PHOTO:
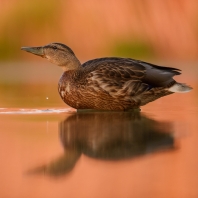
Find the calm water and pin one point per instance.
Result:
(48, 150)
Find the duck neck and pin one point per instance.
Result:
(72, 64)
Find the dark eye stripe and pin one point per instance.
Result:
(65, 47)
(61, 47)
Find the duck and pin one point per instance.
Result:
(109, 83)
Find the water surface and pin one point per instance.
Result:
(49, 150)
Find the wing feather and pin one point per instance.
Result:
(126, 77)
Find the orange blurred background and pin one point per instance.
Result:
(146, 29)
(162, 32)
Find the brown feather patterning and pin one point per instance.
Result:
(108, 83)
(115, 84)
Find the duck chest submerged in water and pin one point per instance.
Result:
(68, 89)
(82, 91)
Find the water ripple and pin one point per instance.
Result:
(35, 111)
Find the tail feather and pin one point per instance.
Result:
(180, 88)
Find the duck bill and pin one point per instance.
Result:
(34, 50)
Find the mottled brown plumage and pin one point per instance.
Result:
(109, 83)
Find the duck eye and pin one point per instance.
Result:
(54, 47)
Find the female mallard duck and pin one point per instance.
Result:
(108, 83)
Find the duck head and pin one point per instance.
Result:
(58, 54)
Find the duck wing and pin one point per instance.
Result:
(159, 76)
(126, 77)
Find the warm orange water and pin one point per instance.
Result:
(61, 153)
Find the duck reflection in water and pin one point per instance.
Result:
(108, 136)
